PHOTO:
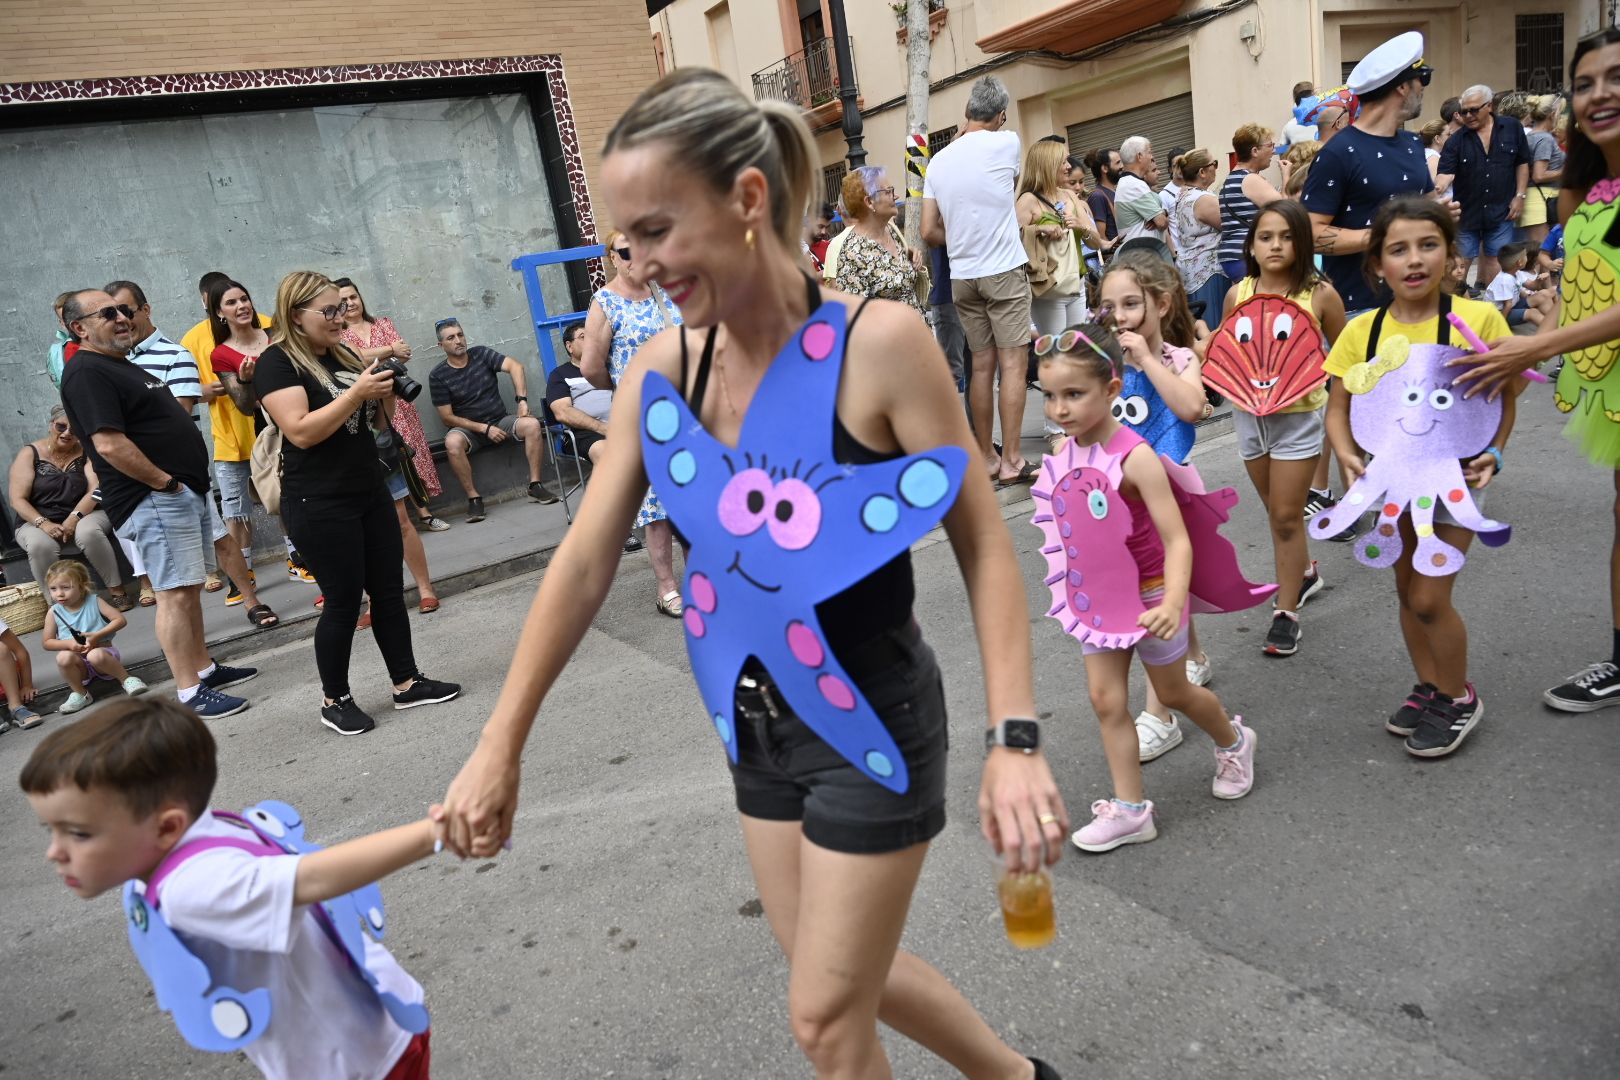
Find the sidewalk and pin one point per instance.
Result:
(517, 537)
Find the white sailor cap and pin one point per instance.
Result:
(1397, 59)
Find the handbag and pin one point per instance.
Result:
(265, 467)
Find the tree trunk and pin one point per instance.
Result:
(917, 52)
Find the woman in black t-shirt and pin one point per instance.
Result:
(329, 404)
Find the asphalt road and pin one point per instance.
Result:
(1360, 914)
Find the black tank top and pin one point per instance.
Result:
(882, 600)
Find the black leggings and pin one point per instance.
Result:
(352, 544)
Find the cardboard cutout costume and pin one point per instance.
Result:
(219, 1018)
(1419, 430)
(1140, 408)
(1266, 356)
(776, 526)
(1589, 385)
(1095, 583)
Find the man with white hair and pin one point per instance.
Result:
(967, 207)
(1137, 211)
(1487, 166)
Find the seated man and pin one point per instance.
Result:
(575, 402)
(468, 397)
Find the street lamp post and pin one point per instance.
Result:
(846, 86)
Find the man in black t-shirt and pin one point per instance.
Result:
(153, 468)
(467, 394)
(572, 400)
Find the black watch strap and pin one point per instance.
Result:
(1015, 733)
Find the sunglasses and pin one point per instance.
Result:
(60, 427)
(622, 253)
(442, 323)
(111, 314)
(1470, 112)
(1425, 73)
(330, 314)
(1047, 344)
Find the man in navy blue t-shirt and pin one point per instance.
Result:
(1368, 164)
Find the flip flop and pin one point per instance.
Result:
(428, 605)
(1026, 475)
(262, 617)
(121, 601)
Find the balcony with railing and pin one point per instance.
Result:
(809, 79)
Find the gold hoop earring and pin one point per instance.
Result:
(748, 238)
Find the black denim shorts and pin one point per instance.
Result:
(785, 772)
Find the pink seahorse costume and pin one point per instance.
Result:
(1095, 583)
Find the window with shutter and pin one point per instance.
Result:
(1168, 123)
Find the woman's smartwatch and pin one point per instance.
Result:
(1015, 733)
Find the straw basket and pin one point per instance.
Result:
(23, 607)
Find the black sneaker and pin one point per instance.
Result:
(1283, 637)
(1043, 1071)
(1406, 718)
(475, 510)
(346, 718)
(223, 676)
(1312, 584)
(1349, 533)
(540, 494)
(233, 595)
(424, 691)
(1318, 502)
(1597, 687)
(1444, 725)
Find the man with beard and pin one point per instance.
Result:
(1107, 168)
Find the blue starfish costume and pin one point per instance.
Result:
(220, 1018)
(776, 526)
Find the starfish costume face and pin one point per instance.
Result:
(1095, 582)
(217, 1017)
(1404, 411)
(776, 526)
(1266, 356)
(1590, 381)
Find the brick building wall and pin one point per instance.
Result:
(606, 52)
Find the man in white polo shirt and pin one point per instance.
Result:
(968, 208)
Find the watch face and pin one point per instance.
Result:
(1021, 734)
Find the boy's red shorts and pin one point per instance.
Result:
(413, 1063)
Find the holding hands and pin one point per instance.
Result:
(475, 819)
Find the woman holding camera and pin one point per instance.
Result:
(329, 405)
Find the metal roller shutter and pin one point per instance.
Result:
(1168, 123)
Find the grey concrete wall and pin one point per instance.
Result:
(423, 203)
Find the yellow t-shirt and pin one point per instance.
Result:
(1351, 348)
(1318, 397)
(233, 432)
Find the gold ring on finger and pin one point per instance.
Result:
(1047, 819)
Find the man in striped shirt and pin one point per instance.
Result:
(156, 353)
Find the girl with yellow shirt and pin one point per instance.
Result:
(1407, 249)
(1280, 450)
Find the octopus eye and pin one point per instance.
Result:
(1097, 503)
(1413, 396)
(1135, 409)
(1282, 326)
(1244, 329)
(1441, 399)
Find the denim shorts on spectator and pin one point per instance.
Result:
(235, 480)
(174, 536)
(1493, 239)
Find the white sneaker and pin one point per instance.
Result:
(75, 701)
(1154, 737)
(1199, 672)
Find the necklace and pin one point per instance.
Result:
(725, 391)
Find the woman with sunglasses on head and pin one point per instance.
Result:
(374, 338)
(845, 395)
(875, 261)
(51, 487)
(329, 405)
(623, 314)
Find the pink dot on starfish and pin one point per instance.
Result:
(818, 339)
(703, 595)
(694, 622)
(837, 692)
(1454, 495)
(804, 645)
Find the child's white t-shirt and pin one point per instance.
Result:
(234, 910)
(1504, 286)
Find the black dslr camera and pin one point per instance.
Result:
(404, 386)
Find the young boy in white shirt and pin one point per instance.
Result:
(127, 786)
(1506, 290)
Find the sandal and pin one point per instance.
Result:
(364, 622)
(429, 605)
(1026, 475)
(262, 617)
(121, 601)
(670, 604)
(148, 597)
(213, 583)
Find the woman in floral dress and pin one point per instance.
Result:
(875, 261)
(375, 338)
(623, 315)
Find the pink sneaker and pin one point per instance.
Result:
(1234, 770)
(1113, 825)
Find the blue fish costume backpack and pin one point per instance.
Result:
(219, 1018)
(777, 525)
